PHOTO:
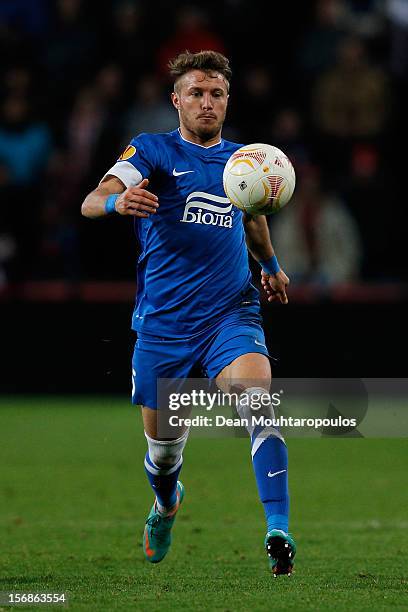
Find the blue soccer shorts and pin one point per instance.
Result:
(205, 354)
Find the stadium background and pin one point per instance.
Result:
(328, 87)
(327, 82)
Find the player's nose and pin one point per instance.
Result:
(207, 101)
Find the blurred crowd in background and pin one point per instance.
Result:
(326, 81)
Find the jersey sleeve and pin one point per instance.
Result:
(138, 161)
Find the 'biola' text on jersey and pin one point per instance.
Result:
(206, 213)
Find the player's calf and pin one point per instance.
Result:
(270, 463)
(163, 462)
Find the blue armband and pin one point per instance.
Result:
(271, 265)
(110, 203)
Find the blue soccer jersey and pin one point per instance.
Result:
(193, 266)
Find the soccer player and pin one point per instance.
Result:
(195, 304)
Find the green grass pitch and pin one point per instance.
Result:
(74, 501)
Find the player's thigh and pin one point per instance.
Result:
(238, 354)
(155, 358)
(247, 370)
(154, 427)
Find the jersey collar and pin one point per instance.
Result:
(197, 147)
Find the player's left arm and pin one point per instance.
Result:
(260, 246)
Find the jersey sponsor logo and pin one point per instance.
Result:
(127, 153)
(199, 210)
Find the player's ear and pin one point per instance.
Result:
(175, 100)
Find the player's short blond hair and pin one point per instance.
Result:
(208, 61)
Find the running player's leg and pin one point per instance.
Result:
(250, 373)
(237, 358)
(163, 463)
(154, 359)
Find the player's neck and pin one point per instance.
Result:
(191, 137)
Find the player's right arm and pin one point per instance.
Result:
(135, 201)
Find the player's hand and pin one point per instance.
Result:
(137, 201)
(275, 286)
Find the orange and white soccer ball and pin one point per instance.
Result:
(259, 179)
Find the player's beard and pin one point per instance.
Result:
(204, 131)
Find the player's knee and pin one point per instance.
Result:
(255, 402)
(165, 454)
(255, 408)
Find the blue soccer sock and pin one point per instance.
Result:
(270, 462)
(163, 482)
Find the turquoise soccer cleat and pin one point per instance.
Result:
(157, 531)
(281, 550)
